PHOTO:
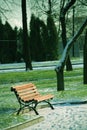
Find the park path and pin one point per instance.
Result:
(63, 117)
(17, 67)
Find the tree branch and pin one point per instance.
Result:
(68, 46)
(83, 2)
(66, 8)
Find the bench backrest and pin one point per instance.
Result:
(25, 92)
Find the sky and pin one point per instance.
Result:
(13, 13)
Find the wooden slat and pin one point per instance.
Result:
(30, 95)
(25, 86)
(27, 98)
(43, 98)
(26, 89)
(27, 92)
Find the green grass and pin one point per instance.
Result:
(45, 81)
(14, 77)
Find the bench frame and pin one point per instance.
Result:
(30, 102)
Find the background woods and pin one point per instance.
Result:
(45, 41)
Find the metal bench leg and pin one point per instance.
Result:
(33, 107)
(35, 110)
(19, 110)
(50, 104)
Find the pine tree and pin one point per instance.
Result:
(33, 37)
(1, 39)
(36, 39)
(53, 39)
(44, 39)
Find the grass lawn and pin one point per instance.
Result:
(45, 81)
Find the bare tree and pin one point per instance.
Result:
(59, 69)
(63, 11)
(26, 51)
(85, 60)
(44, 7)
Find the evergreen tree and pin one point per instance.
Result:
(44, 39)
(53, 39)
(1, 39)
(38, 43)
(35, 39)
(19, 53)
(14, 44)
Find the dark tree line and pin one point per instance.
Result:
(8, 43)
(42, 41)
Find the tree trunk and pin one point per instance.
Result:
(64, 40)
(65, 54)
(60, 80)
(85, 60)
(26, 51)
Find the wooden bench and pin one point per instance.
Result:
(28, 96)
